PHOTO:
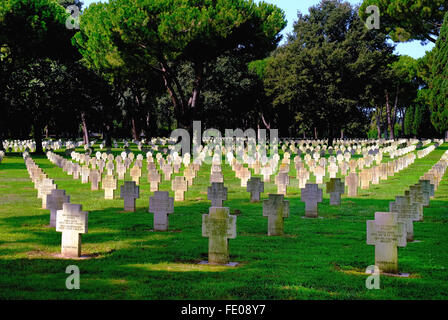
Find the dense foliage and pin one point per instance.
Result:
(143, 68)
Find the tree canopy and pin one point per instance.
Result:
(406, 20)
(325, 74)
(160, 35)
(439, 81)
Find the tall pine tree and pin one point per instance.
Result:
(439, 81)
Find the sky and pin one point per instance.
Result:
(291, 7)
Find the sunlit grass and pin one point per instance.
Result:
(315, 259)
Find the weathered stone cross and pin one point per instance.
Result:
(276, 208)
(129, 192)
(218, 226)
(217, 193)
(55, 200)
(386, 233)
(161, 204)
(311, 195)
(255, 186)
(335, 187)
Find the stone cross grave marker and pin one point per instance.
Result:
(333, 170)
(109, 184)
(76, 171)
(266, 172)
(129, 192)
(110, 168)
(276, 208)
(45, 188)
(365, 177)
(216, 176)
(217, 193)
(72, 222)
(244, 176)
(94, 178)
(303, 176)
(255, 186)
(376, 175)
(54, 203)
(407, 213)
(386, 233)
(352, 182)
(85, 171)
(219, 227)
(167, 171)
(121, 170)
(189, 175)
(179, 186)
(319, 173)
(311, 195)
(282, 182)
(161, 204)
(136, 173)
(428, 188)
(154, 180)
(335, 187)
(418, 197)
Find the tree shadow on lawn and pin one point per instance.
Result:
(160, 260)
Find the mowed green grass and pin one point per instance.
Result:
(315, 259)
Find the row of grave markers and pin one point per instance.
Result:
(66, 217)
(386, 232)
(395, 228)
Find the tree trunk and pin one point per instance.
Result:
(342, 134)
(134, 129)
(267, 125)
(85, 131)
(108, 136)
(330, 136)
(2, 148)
(378, 124)
(197, 85)
(178, 103)
(315, 133)
(389, 120)
(446, 136)
(395, 109)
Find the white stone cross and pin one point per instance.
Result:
(72, 222)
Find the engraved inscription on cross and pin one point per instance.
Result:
(55, 200)
(386, 233)
(72, 222)
(407, 213)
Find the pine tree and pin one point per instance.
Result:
(439, 81)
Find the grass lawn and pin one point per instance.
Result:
(315, 259)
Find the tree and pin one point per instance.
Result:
(31, 32)
(160, 35)
(326, 75)
(406, 20)
(438, 83)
